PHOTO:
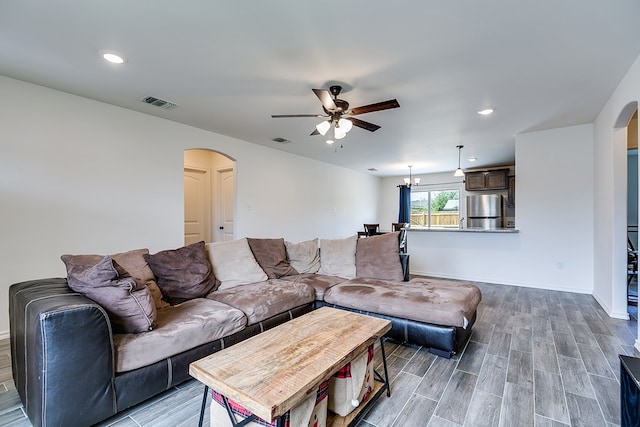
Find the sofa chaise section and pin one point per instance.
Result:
(435, 313)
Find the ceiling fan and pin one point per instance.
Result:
(339, 114)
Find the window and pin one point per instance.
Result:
(435, 208)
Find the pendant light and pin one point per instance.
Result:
(407, 181)
(458, 171)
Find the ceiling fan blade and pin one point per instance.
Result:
(325, 97)
(364, 125)
(315, 132)
(279, 116)
(384, 105)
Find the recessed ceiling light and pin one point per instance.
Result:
(486, 111)
(330, 141)
(472, 159)
(111, 56)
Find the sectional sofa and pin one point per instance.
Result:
(123, 328)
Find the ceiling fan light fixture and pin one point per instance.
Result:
(323, 127)
(339, 133)
(345, 125)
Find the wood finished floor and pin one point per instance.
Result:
(535, 358)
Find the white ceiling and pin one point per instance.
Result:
(231, 64)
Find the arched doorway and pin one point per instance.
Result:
(209, 196)
(632, 216)
(619, 225)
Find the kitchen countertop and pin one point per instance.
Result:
(466, 230)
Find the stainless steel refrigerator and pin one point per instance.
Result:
(484, 211)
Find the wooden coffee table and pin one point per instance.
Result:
(272, 372)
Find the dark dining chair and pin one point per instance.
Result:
(398, 226)
(372, 229)
(402, 238)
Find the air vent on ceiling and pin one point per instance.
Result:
(281, 140)
(157, 102)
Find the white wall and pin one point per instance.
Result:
(554, 215)
(79, 176)
(610, 175)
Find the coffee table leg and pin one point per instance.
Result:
(384, 364)
(204, 405)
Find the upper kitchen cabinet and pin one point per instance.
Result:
(496, 179)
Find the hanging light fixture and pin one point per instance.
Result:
(407, 181)
(458, 171)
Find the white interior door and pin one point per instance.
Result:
(197, 202)
(226, 205)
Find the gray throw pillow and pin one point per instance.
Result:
(128, 303)
(304, 256)
(378, 257)
(234, 263)
(338, 257)
(184, 273)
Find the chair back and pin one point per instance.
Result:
(371, 229)
(397, 226)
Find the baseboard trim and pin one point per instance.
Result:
(498, 282)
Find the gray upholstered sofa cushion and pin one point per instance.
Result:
(440, 302)
(262, 300)
(319, 282)
(178, 328)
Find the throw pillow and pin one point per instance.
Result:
(233, 263)
(184, 273)
(271, 255)
(338, 257)
(304, 256)
(378, 257)
(128, 303)
(134, 263)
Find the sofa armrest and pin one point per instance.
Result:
(404, 260)
(62, 354)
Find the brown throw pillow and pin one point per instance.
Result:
(127, 302)
(184, 273)
(134, 263)
(271, 255)
(378, 257)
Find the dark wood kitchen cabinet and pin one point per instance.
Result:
(496, 179)
(511, 191)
